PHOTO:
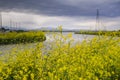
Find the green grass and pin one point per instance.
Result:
(21, 37)
(108, 33)
(97, 59)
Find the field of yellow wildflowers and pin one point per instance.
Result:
(96, 59)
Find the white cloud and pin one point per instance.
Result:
(31, 21)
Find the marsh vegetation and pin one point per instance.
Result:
(22, 37)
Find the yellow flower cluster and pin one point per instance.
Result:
(97, 59)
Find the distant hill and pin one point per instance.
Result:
(56, 29)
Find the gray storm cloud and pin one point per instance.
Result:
(72, 14)
(108, 8)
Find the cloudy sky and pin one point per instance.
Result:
(71, 14)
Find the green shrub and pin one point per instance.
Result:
(21, 37)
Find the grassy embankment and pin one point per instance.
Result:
(21, 37)
(107, 33)
(97, 59)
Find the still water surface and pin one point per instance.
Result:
(49, 39)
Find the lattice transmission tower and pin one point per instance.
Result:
(97, 27)
(0, 20)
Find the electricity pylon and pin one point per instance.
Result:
(97, 21)
(0, 20)
(99, 25)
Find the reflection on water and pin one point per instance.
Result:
(49, 36)
(76, 37)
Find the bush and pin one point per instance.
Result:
(107, 33)
(21, 37)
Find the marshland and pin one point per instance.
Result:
(59, 40)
